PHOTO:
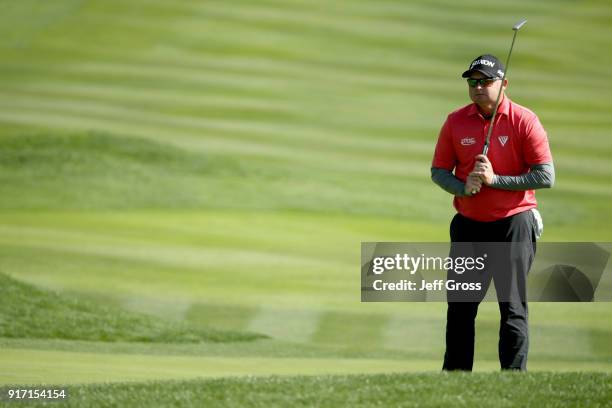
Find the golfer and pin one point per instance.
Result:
(495, 201)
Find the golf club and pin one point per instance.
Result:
(515, 28)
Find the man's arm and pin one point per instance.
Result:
(447, 180)
(451, 184)
(539, 176)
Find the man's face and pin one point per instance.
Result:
(484, 95)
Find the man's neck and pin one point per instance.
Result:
(486, 111)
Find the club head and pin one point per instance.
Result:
(518, 25)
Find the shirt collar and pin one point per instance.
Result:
(502, 109)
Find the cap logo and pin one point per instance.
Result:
(500, 72)
(482, 62)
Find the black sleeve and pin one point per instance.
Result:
(447, 180)
(539, 176)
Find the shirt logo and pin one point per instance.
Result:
(503, 140)
(466, 141)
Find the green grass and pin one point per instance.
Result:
(104, 172)
(28, 312)
(190, 167)
(397, 390)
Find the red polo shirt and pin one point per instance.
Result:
(518, 141)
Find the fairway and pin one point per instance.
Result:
(184, 186)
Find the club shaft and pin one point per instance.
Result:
(485, 150)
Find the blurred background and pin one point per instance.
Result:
(219, 163)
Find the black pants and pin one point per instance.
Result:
(461, 315)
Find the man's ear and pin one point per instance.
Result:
(505, 84)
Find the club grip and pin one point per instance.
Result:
(485, 149)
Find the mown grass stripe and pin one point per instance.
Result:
(214, 142)
(160, 98)
(23, 366)
(309, 88)
(403, 332)
(222, 316)
(342, 328)
(261, 81)
(291, 131)
(204, 259)
(285, 324)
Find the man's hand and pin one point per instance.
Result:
(472, 185)
(483, 169)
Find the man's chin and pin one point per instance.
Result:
(482, 100)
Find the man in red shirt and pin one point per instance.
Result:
(495, 201)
